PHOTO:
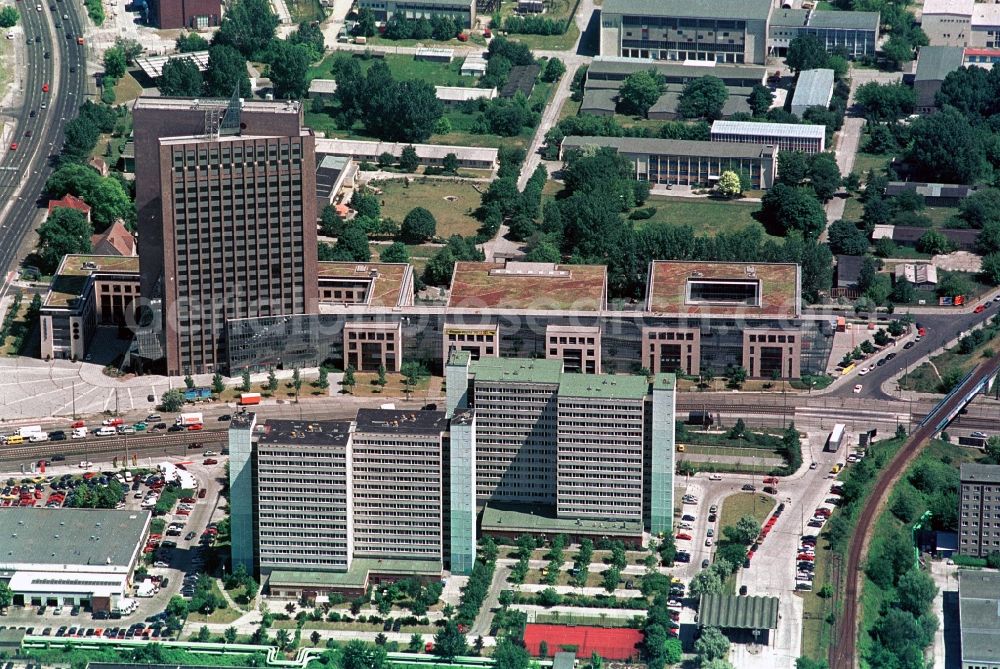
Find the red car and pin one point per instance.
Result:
(210, 461)
(195, 427)
(462, 37)
(77, 424)
(45, 88)
(805, 557)
(980, 309)
(771, 479)
(13, 146)
(826, 513)
(183, 512)
(188, 500)
(682, 536)
(922, 332)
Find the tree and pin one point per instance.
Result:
(365, 27)
(323, 382)
(6, 595)
(245, 385)
(443, 28)
(408, 159)
(297, 382)
(990, 267)
(358, 654)
(845, 238)
(172, 400)
(229, 635)
(348, 381)
(737, 376)
(824, 175)
(248, 26)
(418, 226)
(933, 242)
(217, 383)
(612, 577)
(711, 645)
(729, 184)
(945, 148)
(64, 231)
(510, 655)
(315, 637)
(188, 381)
(449, 643)
(553, 70)
(226, 71)
(747, 529)
(981, 208)
(703, 97)
(288, 66)
(640, 91)
(916, 591)
(450, 162)
(897, 50)
(806, 52)
(416, 643)
(188, 42)
(793, 209)
(544, 251)
(114, 62)
(352, 245)
(761, 99)
(310, 36)
(793, 167)
(395, 252)
(181, 77)
(706, 582)
(380, 380)
(8, 17)
(902, 293)
(886, 102)
(954, 284)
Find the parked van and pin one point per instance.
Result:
(14, 440)
(106, 431)
(79, 433)
(38, 436)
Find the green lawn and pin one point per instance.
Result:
(562, 42)
(405, 67)
(707, 217)
(474, 38)
(306, 11)
(742, 504)
(127, 89)
(451, 203)
(864, 162)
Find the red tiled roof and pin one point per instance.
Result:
(115, 241)
(611, 643)
(70, 202)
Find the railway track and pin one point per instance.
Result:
(165, 442)
(843, 651)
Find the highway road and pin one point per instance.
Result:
(844, 649)
(23, 172)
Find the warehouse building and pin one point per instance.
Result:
(814, 88)
(934, 63)
(72, 557)
(463, 12)
(786, 136)
(978, 619)
(687, 163)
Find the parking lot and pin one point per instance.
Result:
(172, 558)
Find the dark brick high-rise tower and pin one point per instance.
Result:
(226, 200)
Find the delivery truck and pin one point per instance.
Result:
(192, 418)
(247, 399)
(29, 430)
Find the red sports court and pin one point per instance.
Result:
(614, 643)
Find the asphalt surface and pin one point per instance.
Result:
(23, 172)
(843, 650)
(941, 328)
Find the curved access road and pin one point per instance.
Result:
(843, 651)
(53, 58)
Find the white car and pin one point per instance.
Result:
(160, 563)
(864, 370)
(979, 435)
(715, 477)
(684, 526)
(708, 542)
(857, 388)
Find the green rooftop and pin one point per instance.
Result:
(522, 370)
(665, 381)
(603, 386)
(357, 575)
(460, 358)
(537, 519)
(732, 612)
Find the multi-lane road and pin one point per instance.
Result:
(23, 171)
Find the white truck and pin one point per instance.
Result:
(106, 431)
(29, 430)
(79, 433)
(145, 589)
(38, 436)
(193, 418)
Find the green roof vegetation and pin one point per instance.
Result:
(535, 519)
(357, 575)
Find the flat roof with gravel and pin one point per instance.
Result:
(528, 285)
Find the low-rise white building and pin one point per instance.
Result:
(73, 557)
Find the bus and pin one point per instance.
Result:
(836, 437)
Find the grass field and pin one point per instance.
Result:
(453, 215)
(865, 162)
(306, 10)
(551, 42)
(742, 504)
(127, 89)
(404, 67)
(707, 217)
(365, 385)
(221, 616)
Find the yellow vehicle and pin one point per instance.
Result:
(836, 468)
(680, 448)
(15, 439)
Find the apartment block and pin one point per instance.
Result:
(786, 136)
(397, 472)
(305, 495)
(979, 512)
(725, 31)
(687, 162)
(226, 214)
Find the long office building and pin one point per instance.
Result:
(786, 136)
(225, 195)
(697, 316)
(686, 162)
(463, 12)
(322, 506)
